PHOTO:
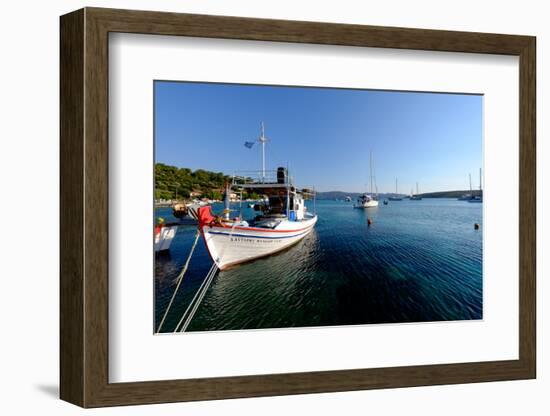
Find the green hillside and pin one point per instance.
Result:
(171, 180)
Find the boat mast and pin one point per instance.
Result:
(470, 175)
(262, 139)
(417, 189)
(395, 186)
(370, 166)
(227, 201)
(479, 181)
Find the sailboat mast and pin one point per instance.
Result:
(370, 164)
(395, 186)
(480, 180)
(417, 188)
(470, 176)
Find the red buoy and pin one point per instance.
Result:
(369, 221)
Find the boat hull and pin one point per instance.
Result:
(229, 246)
(369, 204)
(164, 237)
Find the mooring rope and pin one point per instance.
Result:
(201, 292)
(201, 289)
(179, 279)
(199, 300)
(186, 265)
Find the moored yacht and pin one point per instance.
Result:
(367, 200)
(467, 197)
(415, 197)
(478, 198)
(396, 197)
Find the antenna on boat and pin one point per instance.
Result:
(262, 139)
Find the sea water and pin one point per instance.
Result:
(418, 261)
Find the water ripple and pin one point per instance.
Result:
(418, 261)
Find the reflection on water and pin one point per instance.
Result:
(417, 261)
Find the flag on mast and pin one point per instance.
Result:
(262, 140)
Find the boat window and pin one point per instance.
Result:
(276, 205)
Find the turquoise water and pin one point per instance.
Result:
(419, 261)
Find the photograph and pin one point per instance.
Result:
(282, 206)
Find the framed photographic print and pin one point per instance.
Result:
(255, 207)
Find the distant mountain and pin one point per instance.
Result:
(342, 195)
(450, 194)
(353, 195)
(336, 195)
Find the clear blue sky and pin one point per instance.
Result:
(323, 134)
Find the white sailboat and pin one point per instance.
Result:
(416, 197)
(396, 197)
(479, 198)
(367, 200)
(283, 218)
(467, 197)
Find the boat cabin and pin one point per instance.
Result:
(282, 199)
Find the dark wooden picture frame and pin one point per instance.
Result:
(84, 207)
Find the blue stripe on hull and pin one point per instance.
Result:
(258, 236)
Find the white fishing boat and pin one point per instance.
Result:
(187, 210)
(164, 235)
(193, 209)
(282, 221)
(367, 200)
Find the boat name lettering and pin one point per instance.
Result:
(253, 240)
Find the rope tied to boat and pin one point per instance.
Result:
(193, 306)
(178, 281)
(186, 265)
(199, 296)
(197, 299)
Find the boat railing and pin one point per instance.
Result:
(258, 177)
(253, 179)
(308, 193)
